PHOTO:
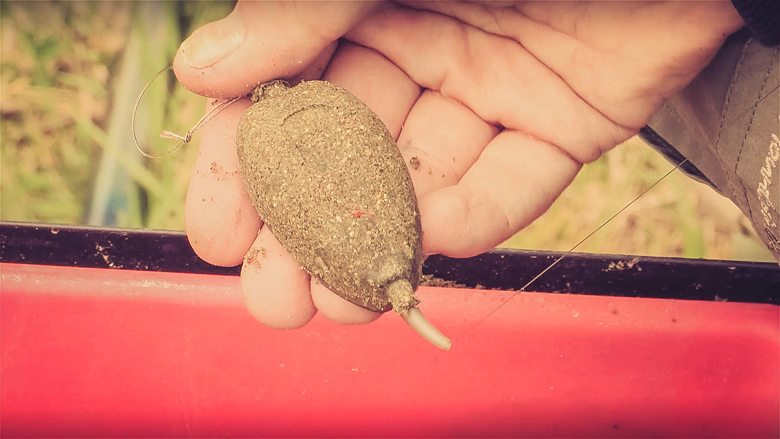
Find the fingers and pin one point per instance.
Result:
(260, 41)
(440, 141)
(274, 287)
(515, 179)
(220, 220)
(476, 189)
(613, 55)
(387, 90)
(494, 77)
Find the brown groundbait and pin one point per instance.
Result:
(326, 176)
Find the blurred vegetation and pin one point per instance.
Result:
(69, 75)
(67, 68)
(679, 217)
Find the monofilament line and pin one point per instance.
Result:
(187, 137)
(572, 249)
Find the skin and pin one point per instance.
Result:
(501, 104)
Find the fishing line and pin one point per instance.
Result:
(751, 107)
(549, 267)
(187, 137)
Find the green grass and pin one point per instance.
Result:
(69, 75)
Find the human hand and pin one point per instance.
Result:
(500, 105)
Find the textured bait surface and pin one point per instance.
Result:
(326, 176)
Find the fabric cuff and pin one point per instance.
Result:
(762, 17)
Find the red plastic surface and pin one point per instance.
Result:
(91, 352)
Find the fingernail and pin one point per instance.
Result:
(213, 42)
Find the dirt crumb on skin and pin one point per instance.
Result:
(215, 168)
(414, 162)
(250, 256)
(253, 257)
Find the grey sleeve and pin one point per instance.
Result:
(727, 123)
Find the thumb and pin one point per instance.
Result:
(260, 41)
